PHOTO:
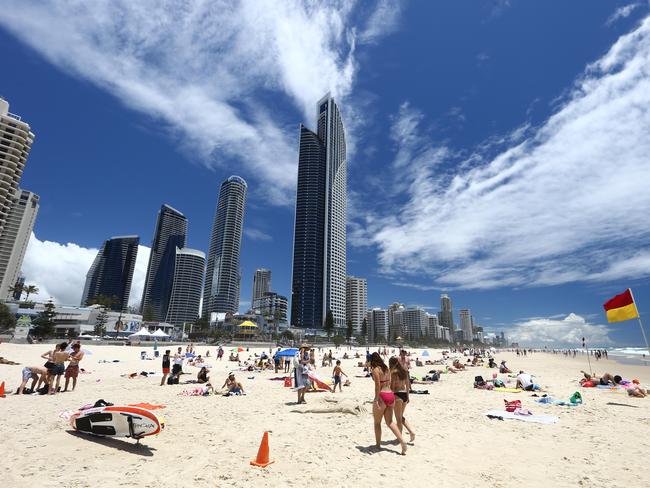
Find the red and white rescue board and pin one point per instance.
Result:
(117, 421)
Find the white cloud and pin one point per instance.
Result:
(383, 20)
(563, 202)
(256, 234)
(552, 332)
(59, 270)
(205, 68)
(622, 13)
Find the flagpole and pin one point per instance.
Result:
(638, 316)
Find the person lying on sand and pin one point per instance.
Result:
(6, 361)
(606, 379)
(346, 405)
(637, 391)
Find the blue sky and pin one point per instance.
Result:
(497, 150)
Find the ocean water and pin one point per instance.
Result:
(628, 351)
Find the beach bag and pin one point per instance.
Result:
(287, 382)
(512, 406)
(576, 398)
(479, 381)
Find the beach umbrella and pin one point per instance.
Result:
(287, 352)
(237, 349)
(425, 353)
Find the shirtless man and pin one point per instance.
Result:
(35, 373)
(604, 380)
(59, 357)
(72, 371)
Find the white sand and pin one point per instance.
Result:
(209, 441)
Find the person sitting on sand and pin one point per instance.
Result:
(203, 377)
(525, 382)
(635, 390)
(458, 365)
(35, 373)
(503, 368)
(606, 379)
(233, 386)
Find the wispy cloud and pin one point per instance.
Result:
(563, 202)
(383, 20)
(59, 270)
(621, 13)
(205, 68)
(257, 234)
(562, 332)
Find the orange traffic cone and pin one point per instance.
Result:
(263, 454)
(2, 390)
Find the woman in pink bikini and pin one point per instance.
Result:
(384, 401)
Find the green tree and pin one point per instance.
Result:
(18, 288)
(104, 301)
(148, 314)
(349, 330)
(45, 321)
(100, 322)
(338, 340)
(364, 327)
(361, 340)
(7, 319)
(28, 290)
(200, 323)
(329, 324)
(380, 339)
(287, 335)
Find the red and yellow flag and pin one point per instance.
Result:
(621, 307)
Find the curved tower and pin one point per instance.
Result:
(16, 140)
(319, 249)
(223, 276)
(171, 233)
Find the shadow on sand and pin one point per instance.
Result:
(372, 449)
(120, 445)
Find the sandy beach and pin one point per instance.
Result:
(209, 441)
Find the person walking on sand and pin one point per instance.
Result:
(384, 400)
(72, 371)
(165, 366)
(400, 385)
(338, 371)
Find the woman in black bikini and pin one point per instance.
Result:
(399, 383)
(382, 406)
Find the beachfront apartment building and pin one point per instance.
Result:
(446, 315)
(15, 237)
(377, 321)
(466, 325)
(111, 273)
(415, 323)
(318, 283)
(356, 300)
(395, 329)
(16, 140)
(223, 275)
(170, 234)
(185, 296)
(261, 284)
(271, 305)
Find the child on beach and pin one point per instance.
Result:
(337, 375)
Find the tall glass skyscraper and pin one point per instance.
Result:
(446, 315)
(171, 233)
(319, 253)
(223, 275)
(188, 282)
(111, 273)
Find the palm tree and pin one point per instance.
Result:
(28, 290)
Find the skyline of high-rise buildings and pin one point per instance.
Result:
(319, 251)
(15, 237)
(111, 273)
(170, 234)
(223, 274)
(356, 292)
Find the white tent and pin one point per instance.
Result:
(159, 333)
(141, 334)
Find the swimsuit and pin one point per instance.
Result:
(388, 397)
(27, 374)
(402, 395)
(57, 370)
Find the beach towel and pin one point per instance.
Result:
(147, 406)
(561, 403)
(537, 419)
(508, 390)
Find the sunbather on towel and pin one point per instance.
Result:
(606, 379)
